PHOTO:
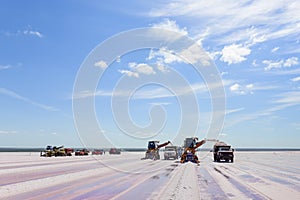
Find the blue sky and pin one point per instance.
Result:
(254, 44)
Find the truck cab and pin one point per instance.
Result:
(223, 152)
(171, 152)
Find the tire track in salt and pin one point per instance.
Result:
(254, 184)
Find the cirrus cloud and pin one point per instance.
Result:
(283, 63)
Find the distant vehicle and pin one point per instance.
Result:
(82, 152)
(56, 151)
(114, 151)
(223, 152)
(171, 152)
(97, 152)
(69, 151)
(153, 150)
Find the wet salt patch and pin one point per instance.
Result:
(249, 178)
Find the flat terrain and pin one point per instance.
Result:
(253, 175)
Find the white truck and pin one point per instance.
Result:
(171, 152)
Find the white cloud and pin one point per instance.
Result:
(234, 53)
(170, 25)
(233, 21)
(281, 102)
(31, 32)
(3, 67)
(160, 103)
(141, 68)
(242, 89)
(289, 98)
(291, 62)
(197, 88)
(234, 110)
(129, 73)
(274, 49)
(234, 88)
(254, 63)
(272, 64)
(164, 56)
(222, 134)
(281, 63)
(248, 88)
(247, 36)
(102, 64)
(194, 54)
(27, 100)
(224, 73)
(86, 93)
(8, 132)
(296, 125)
(214, 55)
(287, 72)
(161, 67)
(296, 79)
(138, 68)
(156, 93)
(118, 59)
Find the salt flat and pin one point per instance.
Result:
(253, 175)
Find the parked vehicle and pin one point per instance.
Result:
(97, 152)
(171, 152)
(56, 151)
(69, 151)
(114, 151)
(82, 152)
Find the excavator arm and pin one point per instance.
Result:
(198, 144)
(162, 145)
(192, 151)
